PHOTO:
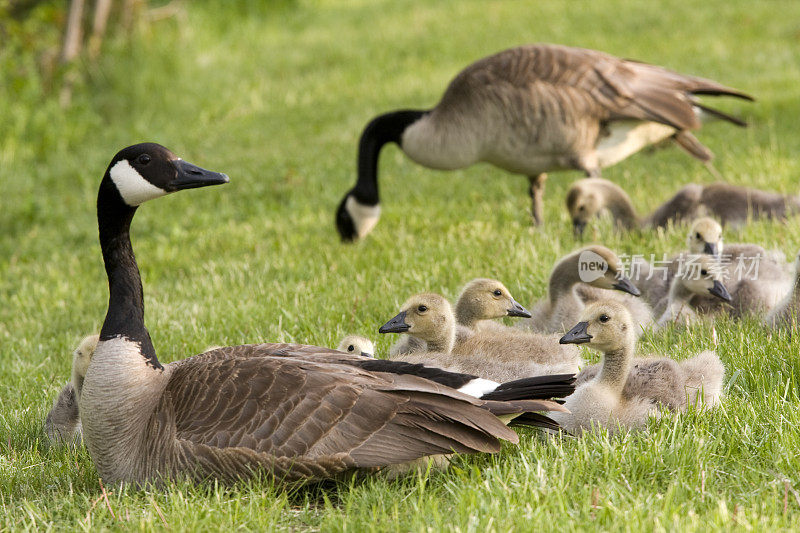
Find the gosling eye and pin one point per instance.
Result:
(704, 272)
(144, 159)
(351, 348)
(422, 308)
(581, 208)
(699, 237)
(497, 292)
(604, 318)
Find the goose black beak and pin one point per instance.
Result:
(720, 291)
(710, 248)
(577, 227)
(518, 310)
(396, 325)
(191, 177)
(577, 335)
(625, 285)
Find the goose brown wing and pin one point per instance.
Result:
(617, 89)
(277, 400)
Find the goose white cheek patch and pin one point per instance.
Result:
(365, 217)
(133, 188)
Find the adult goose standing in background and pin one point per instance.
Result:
(534, 109)
(290, 411)
(730, 204)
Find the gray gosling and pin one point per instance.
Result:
(731, 204)
(355, 344)
(481, 301)
(535, 109)
(623, 391)
(785, 314)
(596, 266)
(499, 357)
(702, 275)
(63, 422)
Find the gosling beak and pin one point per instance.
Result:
(396, 325)
(625, 285)
(576, 335)
(365, 354)
(577, 227)
(191, 176)
(720, 291)
(518, 310)
(710, 248)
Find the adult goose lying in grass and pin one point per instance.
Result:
(596, 266)
(63, 422)
(730, 204)
(623, 391)
(289, 411)
(701, 276)
(535, 109)
(785, 314)
(481, 301)
(495, 355)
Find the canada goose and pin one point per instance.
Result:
(496, 355)
(701, 275)
(481, 301)
(63, 422)
(730, 204)
(624, 391)
(535, 109)
(354, 344)
(785, 314)
(594, 265)
(290, 411)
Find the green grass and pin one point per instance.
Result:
(276, 95)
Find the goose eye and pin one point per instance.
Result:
(497, 292)
(604, 318)
(422, 308)
(351, 348)
(144, 159)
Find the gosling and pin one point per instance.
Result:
(624, 392)
(595, 266)
(481, 301)
(731, 204)
(63, 422)
(498, 357)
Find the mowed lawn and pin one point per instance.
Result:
(276, 96)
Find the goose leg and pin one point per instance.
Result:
(536, 191)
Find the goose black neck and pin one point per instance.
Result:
(125, 316)
(381, 130)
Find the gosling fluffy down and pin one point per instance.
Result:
(623, 391)
(63, 422)
(497, 356)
